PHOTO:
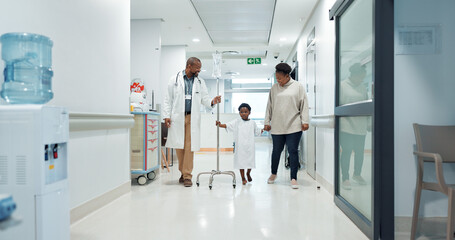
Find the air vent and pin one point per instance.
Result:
(21, 170)
(3, 170)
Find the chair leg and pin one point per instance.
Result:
(164, 160)
(450, 214)
(415, 214)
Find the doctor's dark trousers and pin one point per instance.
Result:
(292, 141)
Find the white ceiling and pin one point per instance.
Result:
(234, 25)
(240, 22)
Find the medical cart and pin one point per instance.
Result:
(145, 146)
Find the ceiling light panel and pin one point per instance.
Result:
(236, 21)
(241, 55)
(230, 37)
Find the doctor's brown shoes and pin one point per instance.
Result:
(187, 183)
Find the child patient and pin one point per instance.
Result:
(244, 131)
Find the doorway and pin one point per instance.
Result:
(310, 70)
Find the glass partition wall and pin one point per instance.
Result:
(354, 90)
(364, 114)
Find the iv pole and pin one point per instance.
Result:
(217, 74)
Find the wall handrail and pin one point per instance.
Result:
(99, 121)
(323, 121)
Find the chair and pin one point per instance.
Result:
(164, 161)
(434, 144)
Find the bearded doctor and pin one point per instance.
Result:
(182, 115)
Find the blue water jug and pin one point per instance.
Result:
(28, 73)
(7, 206)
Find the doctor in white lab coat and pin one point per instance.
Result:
(181, 112)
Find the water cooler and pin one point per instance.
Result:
(34, 171)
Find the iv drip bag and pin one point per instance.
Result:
(216, 64)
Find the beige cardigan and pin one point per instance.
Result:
(287, 108)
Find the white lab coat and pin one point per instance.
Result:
(174, 108)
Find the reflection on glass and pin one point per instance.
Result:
(355, 49)
(355, 162)
(353, 89)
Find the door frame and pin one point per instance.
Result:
(382, 112)
(311, 133)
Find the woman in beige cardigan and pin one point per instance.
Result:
(286, 117)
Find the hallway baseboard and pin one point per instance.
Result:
(328, 186)
(426, 226)
(90, 206)
(214, 150)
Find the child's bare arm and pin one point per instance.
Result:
(218, 123)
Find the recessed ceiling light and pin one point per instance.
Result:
(233, 52)
(264, 64)
(196, 40)
(283, 39)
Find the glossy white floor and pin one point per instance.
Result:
(164, 209)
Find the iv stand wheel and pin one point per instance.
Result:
(197, 184)
(141, 180)
(210, 187)
(151, 175)
(233, 185)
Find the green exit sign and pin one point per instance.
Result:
(253, 60)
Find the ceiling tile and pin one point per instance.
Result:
(241, 21)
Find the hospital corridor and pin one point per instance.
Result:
(140, 119)
(163, 209)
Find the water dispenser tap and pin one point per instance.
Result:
(46, 152)
(55, 151)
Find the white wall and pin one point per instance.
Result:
(212, 90)
(99, 163)
(208, 130)
(91, 63)
(424, 93)
(325, 82)
(146, 54)
(172, 61)
(90, 56)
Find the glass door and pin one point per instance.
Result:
(355, 97)
(361, 61)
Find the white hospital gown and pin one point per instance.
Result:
(244, 132)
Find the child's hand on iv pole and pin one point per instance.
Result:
(219, 124)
